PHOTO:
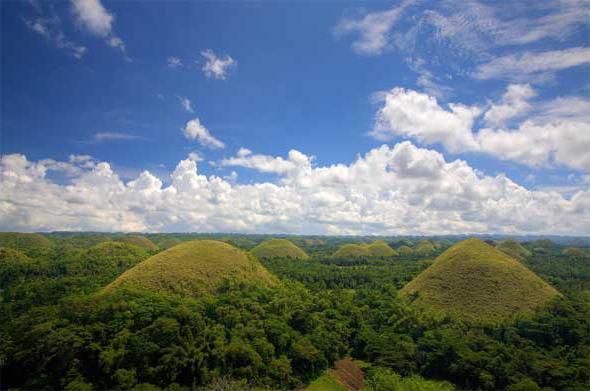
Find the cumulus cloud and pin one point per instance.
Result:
(373, 29)
(417, 115)
(217, 67)
(195, 130)
(97, 20)
(536, 65)
(514, 103)
(295, 161)
(554, 132)
(390, 190)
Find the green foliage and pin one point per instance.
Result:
(278, 248)
(195, 268)
(30, 244)
(384, 379)
(473, 281)
(405, 250)
(326, 382)
(424, 247)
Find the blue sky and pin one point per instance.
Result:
(503, 89)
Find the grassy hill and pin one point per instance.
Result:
(405, 250)
(376, 249)
(108, 259)
(194, 268)
(475, 282)
(25, 242)
(278, 248)
(424, 248)
(514, 249)
(140, 241)
(380, 248)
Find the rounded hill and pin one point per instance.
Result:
(514, 249)
(405, 250)
(424, 248)
(278, 248)
(140, 241)
(473, 281)
(378, 248)
(195, 268)
(107, 259)
(575, 252)
(25, 242)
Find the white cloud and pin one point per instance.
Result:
(194, 130)
(373, 29)
(295, 161)
(195, 156)
(108, 136)
(413, 114)
(532, 64)
(399, 190)
(174, 62)
(50, 28)
(514, 103)
(186, 104)
(97, 20)
(217, 67)
(555, 132)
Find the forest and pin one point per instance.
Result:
(61, 329)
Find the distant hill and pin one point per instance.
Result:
(514, 249)
(278, 248)
(108, 259)
(475, 282)
(240, 242)
(575, 252)
(425, 247)
(140, 241)
(405, 250)
(194, 268)
(376, 249)
(29, 243)
(14, 266)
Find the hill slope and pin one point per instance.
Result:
(473, 281)
(25, 242)
(195, 268)
(140, 241)
(378, 248)
(514, 249)
(278, 248)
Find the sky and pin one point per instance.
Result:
(334, 117)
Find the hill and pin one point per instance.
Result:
(194, 268)
(424, 248)
(25, 242)
(378, 248)
(475, 282)
(575, 252)
(107, 259)
(140, 241)
(278, 248)
(514, 249)
(405, 250)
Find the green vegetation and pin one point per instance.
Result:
(575, 252)
(239, 242)
(140, 241)
(328, 324)
(195, 268)
(405, 250)
(378, 248)
(30, 244)
(473, 281)
(278, 248)
(424, 248)
(514, 249)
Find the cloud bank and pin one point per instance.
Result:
(390, 190)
